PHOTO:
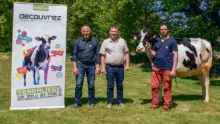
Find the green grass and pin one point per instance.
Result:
(188, 103)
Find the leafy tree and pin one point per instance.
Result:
(5, 25)
(187, 18)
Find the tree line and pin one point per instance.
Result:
(187, 18)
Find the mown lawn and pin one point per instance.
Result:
(188, 104)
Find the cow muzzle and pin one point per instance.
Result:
(140, 49)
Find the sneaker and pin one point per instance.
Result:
(166, 110)
(121, 104)
(109, 105)
(75, 106)
(151, 107)
(92, 105)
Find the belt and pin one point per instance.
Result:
(86, 63)
(115, 65)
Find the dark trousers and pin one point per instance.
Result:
(114, 73)
(89, 70)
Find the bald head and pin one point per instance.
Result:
(85, 31)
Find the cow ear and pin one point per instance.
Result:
(53, 37)
(38, 38)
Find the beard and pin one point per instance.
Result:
(164, 34)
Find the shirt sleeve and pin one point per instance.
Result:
(174, 46)
(103, 47)
(126, 47)
(97, 54)
(154, 48)
(75, 51)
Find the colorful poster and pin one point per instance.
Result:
(38, 56)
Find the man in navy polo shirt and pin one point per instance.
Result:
(85, 61)
(164, 67)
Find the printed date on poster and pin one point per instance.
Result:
(38, 93)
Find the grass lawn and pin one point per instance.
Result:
(188, 103)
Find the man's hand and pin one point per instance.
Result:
(148, 46)
(173, 73)
(97, 70)
(104, 71)
(127, 68)
(75, 71)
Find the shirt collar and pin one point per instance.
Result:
(86, 40)
(165, 39)
(115, 40)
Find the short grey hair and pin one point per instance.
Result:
(114, 27)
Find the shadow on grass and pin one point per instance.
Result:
(145, 101)
(84, 101)
(212, 83)
(180, 97)
(215, 83)
(183, 97)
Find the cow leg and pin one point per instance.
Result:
(205, 81)
(38, 76)
(34, 76)
(45, 73)
(24, 79)
(24, 76)
(160, 93)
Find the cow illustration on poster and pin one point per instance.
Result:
(38, 58)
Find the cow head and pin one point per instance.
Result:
(46, 40)
(144, 36)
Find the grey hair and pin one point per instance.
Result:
(114, 27)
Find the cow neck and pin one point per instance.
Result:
(47, 52)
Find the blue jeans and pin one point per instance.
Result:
(89, 70)
(114, 73)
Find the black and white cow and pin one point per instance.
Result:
(194, 58)
(38, 58)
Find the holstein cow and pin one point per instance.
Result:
(38, 58)
(194, 58)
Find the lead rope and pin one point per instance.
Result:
(175, 81)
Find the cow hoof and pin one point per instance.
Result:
(206, 101)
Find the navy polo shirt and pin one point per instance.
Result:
(164, 53)
(86, 51)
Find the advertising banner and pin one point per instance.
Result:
(38, 56)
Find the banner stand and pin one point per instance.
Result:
(38, 56)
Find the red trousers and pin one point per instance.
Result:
(157, 76)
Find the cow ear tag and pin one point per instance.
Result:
(46, 35)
